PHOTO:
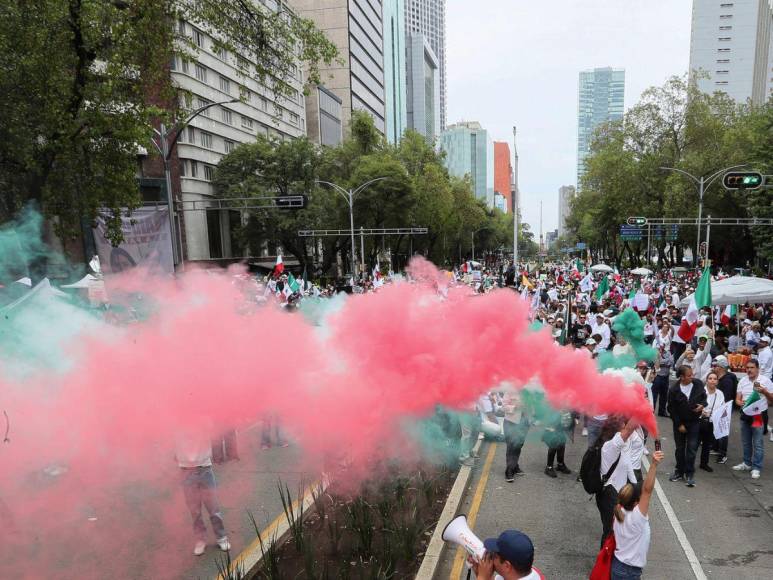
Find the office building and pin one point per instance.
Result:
(216, 75)
(428, 18)
(395, 55)
(324, 117)
(503, 174)
(550, 239)
(730, 43)
(355, 27)
(601, 99)
(565, 196)
(423, 76)
(470, 151)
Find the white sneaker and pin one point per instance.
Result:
(584, 432)
(755, 473)
(742, 467)
(199, 548)
(224, 544)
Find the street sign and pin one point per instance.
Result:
(581, 246)
(637, 221)
(630, 233)
(743, 180)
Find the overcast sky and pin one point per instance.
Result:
(516, 62)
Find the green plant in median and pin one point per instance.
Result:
(359, 516)
(227, 570)
(294, 515)
(269, 555)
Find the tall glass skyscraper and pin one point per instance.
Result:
(428, 18)
(601, 99)
(395, 94)
(470, 151)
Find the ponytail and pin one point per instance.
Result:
(626, 500)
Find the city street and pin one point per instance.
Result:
(726, 521)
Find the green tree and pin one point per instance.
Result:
(84, 80)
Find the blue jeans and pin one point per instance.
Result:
(594, 430)
(200, 488)
(753, 449)
(622, 571)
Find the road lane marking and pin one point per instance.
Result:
(461, 554)
(677, 527)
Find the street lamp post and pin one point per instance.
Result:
(702, 183)
(165, 148)
(349, 195)
(472, 238)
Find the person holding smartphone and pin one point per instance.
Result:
(686, 402)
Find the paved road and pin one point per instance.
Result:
(727, 518)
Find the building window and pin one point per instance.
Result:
(723, 61)
(724, 39)
(226, 116)
(205, 139)
(184, 65)
(263, 104)
(173, 63)
(722, 72)
(725, 16)
(183, 163)
(242, 62)
(225, 85)
(726, 28)
(209, 172)
(194, 168)
(245, 94)
(294, 119)
(198, 38)
(201, 73)
(229, 145)
(219, 51)
(246, 122)
(720, 83)
(723, 50)
(181, 26)
(191, 135)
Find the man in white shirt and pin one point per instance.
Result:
(613, 451)
(602, 329)
(751, 425)
(765, 356)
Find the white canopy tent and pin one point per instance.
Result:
(86, 282)
(601, 268)
(739, 290)
(641, 271)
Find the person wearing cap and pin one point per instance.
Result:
(752, 334)
(590, 346)
(602, 329)
(728, 385)
(765, 356)
(511, 555)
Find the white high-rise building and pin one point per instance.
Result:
(731, 43)
(214, 76)
(566, 194)
(423, 84)
(428, 18)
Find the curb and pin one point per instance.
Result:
(431, 560)
(249, 559)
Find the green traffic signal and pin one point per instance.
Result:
(637, 221)
(743, 180)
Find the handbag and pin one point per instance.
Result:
(602, 569)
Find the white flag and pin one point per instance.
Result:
(553, 294)
(720, 418)
(586, 284)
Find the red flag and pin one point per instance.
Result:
(279, 267)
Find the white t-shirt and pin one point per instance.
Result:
(632, 538)
(634, 447)
(623, 473)
(746, 387)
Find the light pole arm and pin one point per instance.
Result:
(366, 184)
(690, 175)
(711, 179)
(337, 188)
(179, 127)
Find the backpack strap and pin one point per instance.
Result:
(609, 473)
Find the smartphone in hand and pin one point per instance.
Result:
(657, 444)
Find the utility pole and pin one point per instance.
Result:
(516, 206)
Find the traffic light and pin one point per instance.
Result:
(637, 221)
(291, 202)
(743, 180)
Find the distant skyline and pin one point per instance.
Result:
(512, 62)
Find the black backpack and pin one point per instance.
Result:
(590, 470)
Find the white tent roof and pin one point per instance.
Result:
(739, 290)
(641, 271)
(601, 268)
(85, 282)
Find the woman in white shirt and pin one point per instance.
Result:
(714, 400)
(632, 526)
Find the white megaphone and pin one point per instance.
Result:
(458, 532)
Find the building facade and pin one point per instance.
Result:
(503, 173)
(356, 28)
(395, 81)
(428, 18)
(601, 98)
(470, 151)
(423, 84)
(217, 76)
(730, 48)
(566, 194)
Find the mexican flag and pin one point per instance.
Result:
(728, 314)
(586, 284)
(662, 303)
(700, 299)
(755, 404)
(634, 289)
(603, 288)
(279, 267)
(292, 284)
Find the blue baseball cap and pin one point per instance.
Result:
(513, 546)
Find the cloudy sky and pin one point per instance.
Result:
(516, 62)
